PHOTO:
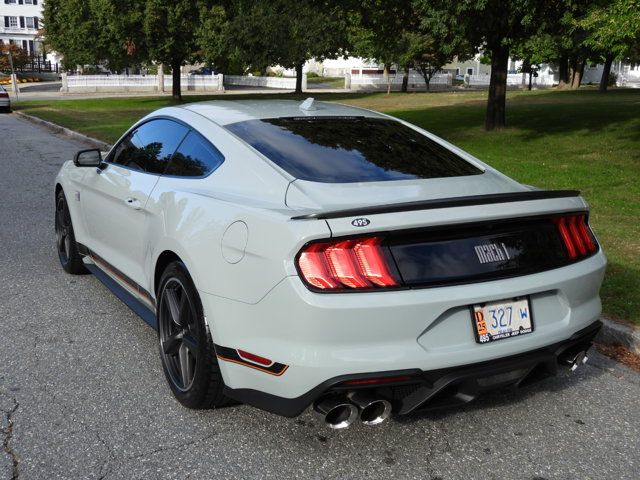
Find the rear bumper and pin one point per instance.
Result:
(316, 337)
(428, 390)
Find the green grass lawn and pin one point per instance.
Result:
(328, 82)
(556, 140)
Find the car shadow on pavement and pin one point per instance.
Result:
(507, 396)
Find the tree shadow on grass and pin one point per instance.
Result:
(537, 116)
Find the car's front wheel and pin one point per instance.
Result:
(68, 253)
(186, 348)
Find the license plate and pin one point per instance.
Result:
(504, 319)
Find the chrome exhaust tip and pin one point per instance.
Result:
(336, 412)
(579, 360)
(373, 411)
(575, 359)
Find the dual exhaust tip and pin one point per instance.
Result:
(341, 412)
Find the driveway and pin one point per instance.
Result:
(82, 393)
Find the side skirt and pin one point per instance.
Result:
(127, 298)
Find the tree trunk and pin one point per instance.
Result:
(299, 77)
(563, 72)
(405, 80)
(530, 79)
(496, 103)
(387, 77)
(176, 90)
(578, 72)
(427, 80)
(604, 81)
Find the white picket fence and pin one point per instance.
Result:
(194, 82)
(75, 81)
(137, 83)
(380, 82)
(513, 80)
(285, 83)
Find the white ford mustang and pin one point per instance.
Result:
(295, 254)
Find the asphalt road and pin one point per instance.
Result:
(82, 393)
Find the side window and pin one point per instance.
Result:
(150, 147)
(195, 157)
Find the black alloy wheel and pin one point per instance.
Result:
(177, 341)
(66, 245)
(186, 348)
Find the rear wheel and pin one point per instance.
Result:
(70, 258)
(186, 348)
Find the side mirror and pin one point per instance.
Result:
(88, 158)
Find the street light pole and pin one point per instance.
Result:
(13, 75)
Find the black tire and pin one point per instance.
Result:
(66, 245)
(186, 348)
(6, 109)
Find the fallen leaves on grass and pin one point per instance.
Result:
(620, 354)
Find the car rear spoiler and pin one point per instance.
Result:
(442, 203)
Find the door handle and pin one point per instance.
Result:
(133, 203)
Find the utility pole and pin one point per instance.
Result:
(13, 75)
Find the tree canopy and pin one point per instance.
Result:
(238, 36)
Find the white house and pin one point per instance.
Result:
(19, 24)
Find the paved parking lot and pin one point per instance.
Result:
(82, 393)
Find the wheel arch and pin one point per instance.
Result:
(57, 190)
(164, 259)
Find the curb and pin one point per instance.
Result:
(616, 333)
(55, 128)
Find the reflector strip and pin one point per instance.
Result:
(252, 357)
(371, 381)
(250, 360)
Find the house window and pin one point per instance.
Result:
(11, 2)
(28, 2)
(30, 22)
(13, 22)
(470, 71)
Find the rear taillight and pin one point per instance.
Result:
(576, 236)
(346, 264)
(4, 95)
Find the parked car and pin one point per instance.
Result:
(294, 255)
(5, 101)
(203, 71)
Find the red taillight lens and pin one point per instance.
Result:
(4, 95)
(346, 264)
(314, 268)
(372, 262)
(343, 265)
(576, 236)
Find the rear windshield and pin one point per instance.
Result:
(350, 149)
